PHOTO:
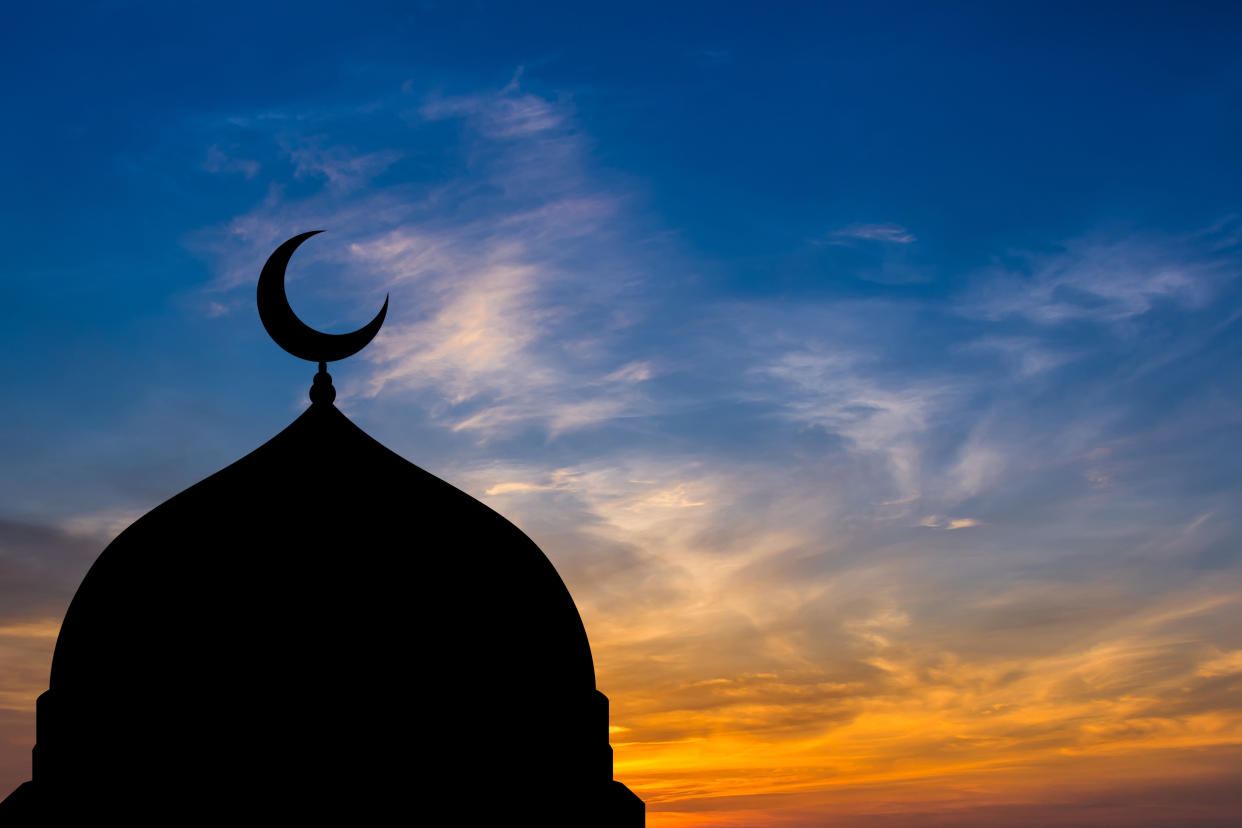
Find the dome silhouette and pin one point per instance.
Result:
(323, 632)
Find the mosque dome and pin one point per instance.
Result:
(322, 545)
(323, 632)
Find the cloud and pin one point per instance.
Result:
(890, 233)
(1108, 280)
(1028, 356)
(938, 522)
(104, 525)
(832, 391)
(218, 162)
(509, 115)
(41, 567)
(341, 167)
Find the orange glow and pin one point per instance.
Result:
(940, 734)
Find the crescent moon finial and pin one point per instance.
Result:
(294, 335)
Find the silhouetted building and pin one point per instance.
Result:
(323, 633)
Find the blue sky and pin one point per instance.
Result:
(816, 337)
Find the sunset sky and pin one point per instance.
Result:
(871, 372)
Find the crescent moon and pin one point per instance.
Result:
(291, 333)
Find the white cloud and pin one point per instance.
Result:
(980, 465)
(218, 162)
(632, 372)
(508, 115)
(104, 525)
(343, 168)
(1091, 279)
(1027, 356)
(834, 391)
(891, 233)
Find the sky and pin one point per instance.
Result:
(870, 372)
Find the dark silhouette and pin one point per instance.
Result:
(291, 333)
(322, 633)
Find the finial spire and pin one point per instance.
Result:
(322, 392)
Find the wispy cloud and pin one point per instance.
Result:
(342, 168)
(219, 162)
(509, 115)
(1027, 356)
(1104, 279)
(833, 391)
(891, 233)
